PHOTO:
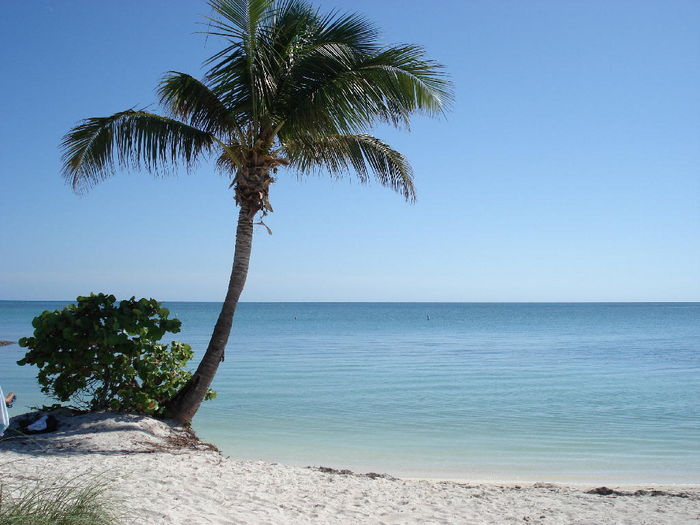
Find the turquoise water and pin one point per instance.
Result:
(603, 393)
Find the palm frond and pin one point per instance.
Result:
(238, 69)
(351, 29)
(362, 154)
(279, 41)
(349, 92)
(408, 78)
(229, 76)
(231, 160)
(190, 100)
(238, 19)
(93, 149)
(302, 44)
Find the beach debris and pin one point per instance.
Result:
(375, 475)
(185, 437)
(605, 491)
(542, 485)
(41, 425)
(346, 472)
(601, 491)
(52, 417)
(329, 470)
(38, 425)
(180, 438)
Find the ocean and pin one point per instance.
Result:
(579, 392)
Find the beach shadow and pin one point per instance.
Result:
(91, 434)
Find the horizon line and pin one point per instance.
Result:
(370, 302)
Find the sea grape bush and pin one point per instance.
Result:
(100, 354)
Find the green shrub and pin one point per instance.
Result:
(67, 503)
(100, 354)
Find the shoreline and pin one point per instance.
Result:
(481, 475)
(165, 475)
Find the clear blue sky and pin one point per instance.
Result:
(568, 170)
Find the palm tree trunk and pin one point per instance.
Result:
(185, 404)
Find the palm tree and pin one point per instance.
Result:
(293, 88)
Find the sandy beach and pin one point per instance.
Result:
(164, 475)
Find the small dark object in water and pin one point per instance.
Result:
(5, 343)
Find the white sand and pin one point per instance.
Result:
(162, 482)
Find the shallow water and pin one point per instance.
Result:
(551, 392)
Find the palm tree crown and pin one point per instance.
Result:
(292, 87)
